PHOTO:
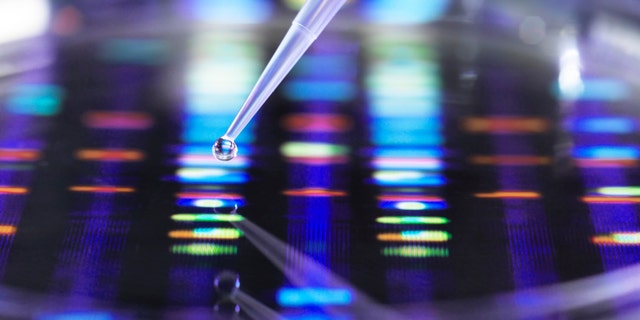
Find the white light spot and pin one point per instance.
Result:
(21, 19)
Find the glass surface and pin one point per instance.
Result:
(457, 160)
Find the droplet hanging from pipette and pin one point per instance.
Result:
(225, 149)
(227, 283)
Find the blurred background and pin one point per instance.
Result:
(432, 159)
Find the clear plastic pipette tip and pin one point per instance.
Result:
(310, 21)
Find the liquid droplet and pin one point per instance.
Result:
(227, 283)
(225, 149)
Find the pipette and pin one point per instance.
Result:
(312, 18)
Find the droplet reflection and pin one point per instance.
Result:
(227, 283)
